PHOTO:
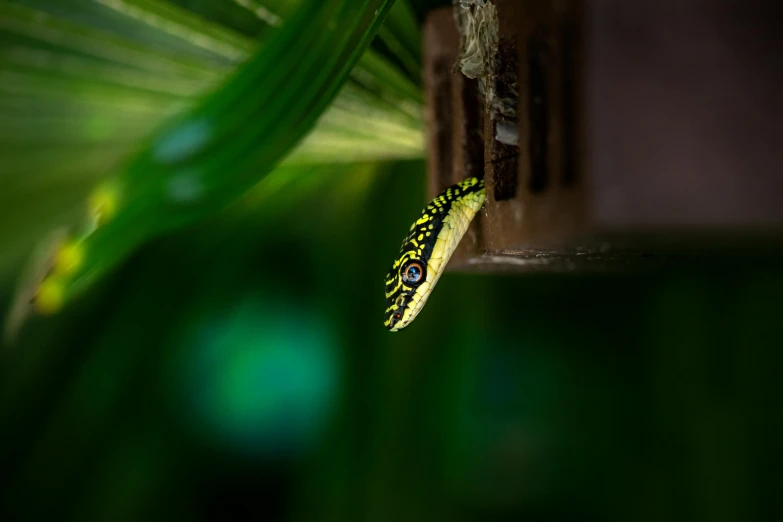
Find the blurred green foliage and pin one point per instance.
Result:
(85, 83)
(238, 369)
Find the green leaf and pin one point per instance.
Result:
(82, 84)
(211, 154)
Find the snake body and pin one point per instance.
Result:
(427, 249)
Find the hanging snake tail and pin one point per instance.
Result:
(427, 249)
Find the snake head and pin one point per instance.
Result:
(402, 297)
(426, 250)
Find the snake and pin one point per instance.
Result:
(427, 248)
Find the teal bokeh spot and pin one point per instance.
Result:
(262, 378)
(183, 142)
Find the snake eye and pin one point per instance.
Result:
(413, 273)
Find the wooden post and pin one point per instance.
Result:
(638, 145)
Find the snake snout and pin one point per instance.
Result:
(392, 323)
(396, 315)
(394, 320)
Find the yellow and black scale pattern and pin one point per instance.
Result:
(427, 249)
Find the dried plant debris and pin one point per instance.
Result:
(478, 27)
(491, 60)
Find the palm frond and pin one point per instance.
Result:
(84, 86)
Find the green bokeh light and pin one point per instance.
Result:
(262, 379)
